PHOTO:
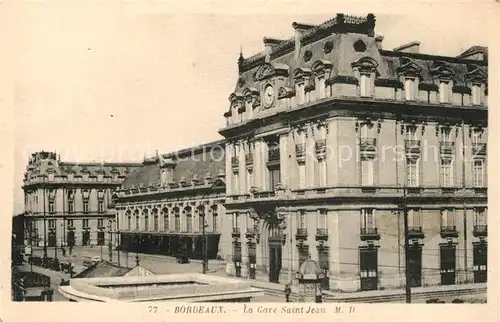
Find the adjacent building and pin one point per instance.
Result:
(174, 205)
(332, 138)
(66, 203)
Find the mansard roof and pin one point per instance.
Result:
(191, 163)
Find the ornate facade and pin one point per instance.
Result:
(174, 203)
(331, 139)
(66, 203)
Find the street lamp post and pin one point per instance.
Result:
(205, 253)
(110, 244)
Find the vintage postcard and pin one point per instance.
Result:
(252, 160)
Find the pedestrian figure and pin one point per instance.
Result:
(70, 250)
(63, 251)
(288, 291)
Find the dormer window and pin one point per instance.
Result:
(51, 177)
(365, 85)
(444, 91)
(476, 94)
(85, 177)
(100, 177)
(70, 177)
(410, 89)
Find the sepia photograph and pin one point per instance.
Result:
(166, 157)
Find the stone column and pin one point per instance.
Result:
(284, 158)
(264, 172)
(229, 171)
(331, 153)
(242, 169)
(257, 168)
(244, 247)
(310, 158)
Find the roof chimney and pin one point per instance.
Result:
(269, 43)
(411, 47)
(299, 30)
(378, 42)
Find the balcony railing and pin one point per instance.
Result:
(301, 233)
(480, 231)
(236, 232)
(412, 146)
(320, 147)
(446, 147)
(368, 144)
(449, 231)
(369, 234)
(249, 158)
(234, 162)
(322, 234)
(415, 232)
(479, 148)
(300, 149)
(273, 155)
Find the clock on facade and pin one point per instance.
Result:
(268, 95)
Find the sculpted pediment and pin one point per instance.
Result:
(269, 70)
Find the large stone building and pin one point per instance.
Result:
(66, 203)
(331, 137)
(174, 203)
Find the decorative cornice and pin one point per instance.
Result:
(386, 82)
(341, 79)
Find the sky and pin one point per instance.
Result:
(111, 83)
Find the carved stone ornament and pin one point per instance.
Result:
(264, 72)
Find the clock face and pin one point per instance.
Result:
(268, 95)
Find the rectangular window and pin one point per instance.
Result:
(189, 223)
(480, 217)
(146, 222)
(100, 223)
(323, 219)
(85, 223)
(137, 222)
(365, 85)
(367, 173)
(155, 222)
(214, 221)
(274, 177)
(129, 222)
(177, 223)
(410, 89)
(100, 177)
(70, 222)
(414, 219)
(476, 94)
(70, 177)
(85, 206)
(85, 177)
(100, 205)
(412, 172)
(368, 224)
(476, 137)
(166, 221)
(52, 223)
(71, 206)
(52, 208)
(478, 173)
(301, 219)
(51, 177)
(448, 219)
(447, 172)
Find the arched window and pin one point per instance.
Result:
(155, 219)
(177, 224)
(137, 220)
(189, 219)
(166, 220)
(146, 219)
